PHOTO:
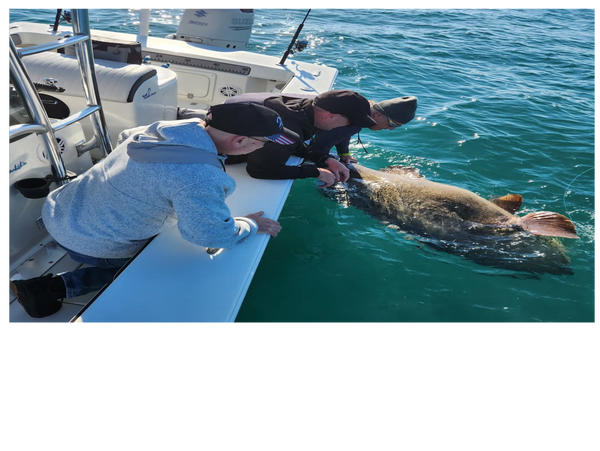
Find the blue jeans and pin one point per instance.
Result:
(88, 280)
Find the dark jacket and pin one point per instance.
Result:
(338, 138)
(297, 114)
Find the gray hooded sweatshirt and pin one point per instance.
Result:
(111, 210)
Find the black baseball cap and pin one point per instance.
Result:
(347, 103)
(250, 119)
(400, 109)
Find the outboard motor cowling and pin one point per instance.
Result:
(227, 28)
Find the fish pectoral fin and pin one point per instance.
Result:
(510, 202)
(406, 171)
(548, 224)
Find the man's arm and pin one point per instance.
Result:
(337, 137)
(269, 162)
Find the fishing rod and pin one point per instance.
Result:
(66, 16)
(300, 45)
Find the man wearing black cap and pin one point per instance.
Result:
(307, 116)
(387, 114)
(165, 174)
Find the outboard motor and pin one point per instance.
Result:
(227, 28)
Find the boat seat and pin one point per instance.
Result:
(131, 94)
(117, 82)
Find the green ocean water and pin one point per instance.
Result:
(506, 105)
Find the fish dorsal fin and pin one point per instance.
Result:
(510, 202)
(405, 171)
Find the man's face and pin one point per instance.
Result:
(383, 122)
(252, 144)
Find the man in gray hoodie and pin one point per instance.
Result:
(165, 174)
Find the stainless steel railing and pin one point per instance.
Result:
(41, 123)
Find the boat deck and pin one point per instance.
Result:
(50, 258)
(171, 279)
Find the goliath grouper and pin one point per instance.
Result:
(459, 221)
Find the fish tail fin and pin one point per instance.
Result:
(549, 224)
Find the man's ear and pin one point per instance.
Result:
(239, 141)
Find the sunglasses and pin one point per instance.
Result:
(392, 124)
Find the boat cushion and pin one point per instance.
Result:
(117, 82)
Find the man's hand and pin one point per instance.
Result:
(265, 225)
(327, 177)
(341, 172)
(348, 159)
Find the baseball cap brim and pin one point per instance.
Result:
(285, 137)
(362, 121)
